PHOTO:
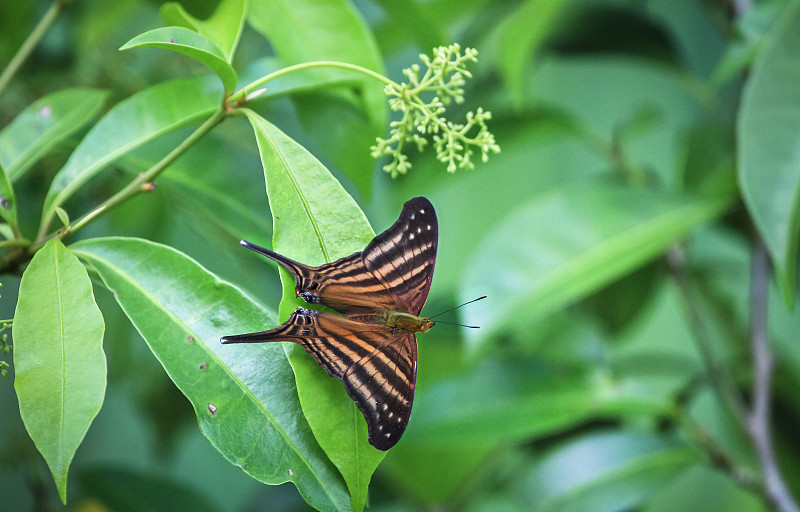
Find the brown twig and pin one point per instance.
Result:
(758, 420)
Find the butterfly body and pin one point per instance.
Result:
(371, 344)
(404, 321)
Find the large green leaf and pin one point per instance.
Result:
(45, 123)
(611, 96)
(311, 30)
(224, 27)
(603, 472)
(316, 221)
(769, 145)
(508, 401)
(567, 244)
(315, 30)
(58, 356)
(520, 35)
(700, 488)
(245, 400)
(191, 44)
(128, 490)
(130, 124)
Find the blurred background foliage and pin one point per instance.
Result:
(609, 235)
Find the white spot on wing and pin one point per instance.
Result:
(422, 212)
(388, 434)
(390, 415)
(411, 236)
(385, 407)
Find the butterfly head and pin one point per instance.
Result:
(426, 325)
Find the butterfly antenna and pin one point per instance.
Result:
(460, 325)
(451, 309)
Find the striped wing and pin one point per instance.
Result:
(393, 273)
(344, 285)
(402, 257)
(377, 366)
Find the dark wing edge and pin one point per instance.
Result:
(382, 385)
(378, 367)
(403, 257)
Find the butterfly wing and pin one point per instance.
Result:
(344, 285)
(393, 273)
(382, 385)
(377, 366)
(402, 257)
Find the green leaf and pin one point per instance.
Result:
(520, 35)
(224, 27)
(58, 356)
(703, 489)
(607, 93)
(509, 400)
(769, 145)
(150, 114)
(434, 474)
(245, 400)
(130, 124)
(625, 469)
(750, 25)
(44, 124)
(8, 201)
(315, 30)
(575, 241)
(6, 232)
(316, 221)
(191, 44)
(62, 215)
(126, 490)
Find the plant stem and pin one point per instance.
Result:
(30, 43)
(720, 380)
(16, 242)
(716, 453)
(139, 183)
(758, 421)
(249, 88)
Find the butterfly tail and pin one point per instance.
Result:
(298, 270)
(253, 337)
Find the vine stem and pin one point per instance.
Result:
(252, 86)
(139, 184)
(30, 43)
(758, 421)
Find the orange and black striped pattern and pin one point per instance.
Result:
(376, 362)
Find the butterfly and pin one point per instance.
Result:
(371, 345)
